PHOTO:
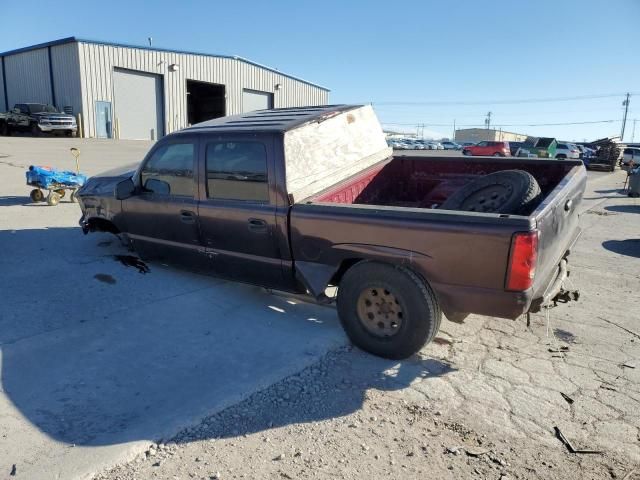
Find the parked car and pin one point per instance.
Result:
(514, 147)
(567, 150)
(37, 118)
(630, 155)
(300, 215)
(491, 149)
(451, 146)
(438, 145)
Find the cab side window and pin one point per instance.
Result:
(237, 171)
(172, 164)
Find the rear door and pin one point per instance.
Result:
(237, 208)
(481, 148)
(162, 222)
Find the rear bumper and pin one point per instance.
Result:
(501, 303)
(455, 299)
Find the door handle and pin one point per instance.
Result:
(257, 225)
(187, 217)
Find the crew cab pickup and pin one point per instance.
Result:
(309, 199)
(37, 118)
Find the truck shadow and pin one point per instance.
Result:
(629, 247)
(325, 391)
(94, 353)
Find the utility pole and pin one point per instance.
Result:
(633, 132)
(487, 123)
(625, 104)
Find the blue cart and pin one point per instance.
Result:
(57, 182)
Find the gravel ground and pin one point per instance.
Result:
(351, 416)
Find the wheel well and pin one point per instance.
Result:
(344, 266)
(101, 225)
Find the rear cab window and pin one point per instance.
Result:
(237, 170)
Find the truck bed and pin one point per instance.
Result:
(426, 182)
(390, 211)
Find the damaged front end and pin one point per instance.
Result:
(101, 209)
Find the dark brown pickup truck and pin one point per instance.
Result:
(309, 199)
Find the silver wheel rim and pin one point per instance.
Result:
(380, 312)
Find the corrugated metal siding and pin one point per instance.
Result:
(28, 77)
(3, 105)
(66, 76)
(98, 61)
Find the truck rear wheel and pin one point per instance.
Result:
(387, 310)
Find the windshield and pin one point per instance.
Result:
(41, 108)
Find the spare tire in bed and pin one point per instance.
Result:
(513, 192)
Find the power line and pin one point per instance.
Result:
(502, 124)
(506, 102)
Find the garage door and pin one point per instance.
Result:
(254, 100)
(138, 104)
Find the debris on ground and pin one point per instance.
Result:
(567, 398)
(570, 447)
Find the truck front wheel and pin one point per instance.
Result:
(35, 130)
(387, 310)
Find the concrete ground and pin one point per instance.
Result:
(98, 361)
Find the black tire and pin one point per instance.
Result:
(466, 152)
(53, 199)
(36, 195)
(498, 154)
(418, 305)
(513, 192)
(561, 156)
(35, 131)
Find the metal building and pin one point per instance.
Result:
(489, 134)
(134, 92)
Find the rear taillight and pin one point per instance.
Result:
(522, 261)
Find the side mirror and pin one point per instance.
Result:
(157, 186)
(124, 189)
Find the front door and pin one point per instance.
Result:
(103, 119)
(237, 209)
(161, 218)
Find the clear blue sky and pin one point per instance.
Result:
(388, 53)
